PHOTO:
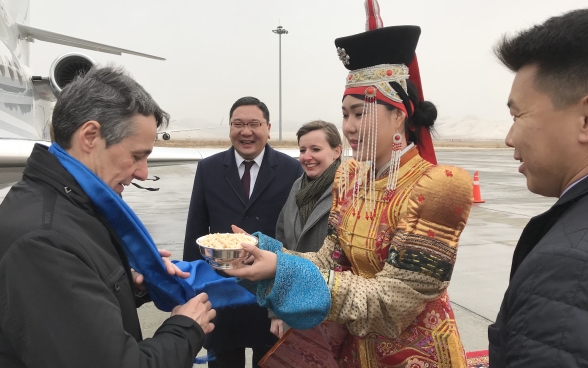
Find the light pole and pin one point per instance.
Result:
(280, 31)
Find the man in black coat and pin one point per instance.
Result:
(246, 186)
(543, 319)
(68, 297)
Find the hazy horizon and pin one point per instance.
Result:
(218, 52)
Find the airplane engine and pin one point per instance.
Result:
(66, 68)
(166, 136)
(63, 70)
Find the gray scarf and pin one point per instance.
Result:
(312, 189)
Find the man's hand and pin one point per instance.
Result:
(171, 268)
(277, 327)
(199, 309)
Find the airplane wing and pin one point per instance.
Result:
(30, 33)
(190, 129)
(15, 152)
(182, 130)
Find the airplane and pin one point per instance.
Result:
(26, 100)
(166, 136)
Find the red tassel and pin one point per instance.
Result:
(373, 19)
(426, 149)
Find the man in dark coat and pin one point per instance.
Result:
(543, 319)
(68, 297)
(246, 186)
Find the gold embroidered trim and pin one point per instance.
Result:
(448, 345)
(367, 356)
(379, 76)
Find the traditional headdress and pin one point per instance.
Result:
(380, 61)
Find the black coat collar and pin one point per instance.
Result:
(43, 167)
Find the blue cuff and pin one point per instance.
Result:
(268, 243)
(298, 294)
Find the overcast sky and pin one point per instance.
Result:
(219, 51)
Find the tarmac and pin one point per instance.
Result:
(481, 273)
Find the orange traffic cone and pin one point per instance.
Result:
(477, 195)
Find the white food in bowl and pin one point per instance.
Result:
(225, 241)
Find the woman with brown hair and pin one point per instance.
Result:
(302, 225)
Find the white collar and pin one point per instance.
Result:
(573, 184)
(239, 160)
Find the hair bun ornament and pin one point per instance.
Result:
(425, 115)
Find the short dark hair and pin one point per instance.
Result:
(330, 129)
(251, 101)
(109, 96)
(559, 49)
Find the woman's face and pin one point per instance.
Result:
(316, 155)
(388, 123)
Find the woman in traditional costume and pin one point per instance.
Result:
(375, 294)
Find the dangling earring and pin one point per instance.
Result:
(344, 174)
(394, 165)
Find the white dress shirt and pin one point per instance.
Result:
(253, 171)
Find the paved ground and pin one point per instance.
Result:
(481, 273)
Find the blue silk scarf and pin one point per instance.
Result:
(166, 291)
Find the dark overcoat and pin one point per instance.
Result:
(543, 319)
(219, 201)
(66, 294)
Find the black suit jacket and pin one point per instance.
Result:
(219, 201)
(543, 318)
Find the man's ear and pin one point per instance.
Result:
(87, 136)
(584, 129)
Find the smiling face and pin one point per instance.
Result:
(388, 123)
(316, 155)
(548, 141)
(249, 142)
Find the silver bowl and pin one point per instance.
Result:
(224, 258)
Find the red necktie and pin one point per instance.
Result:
(246, 179)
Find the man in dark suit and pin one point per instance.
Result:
(543, 319)
(247, 186)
